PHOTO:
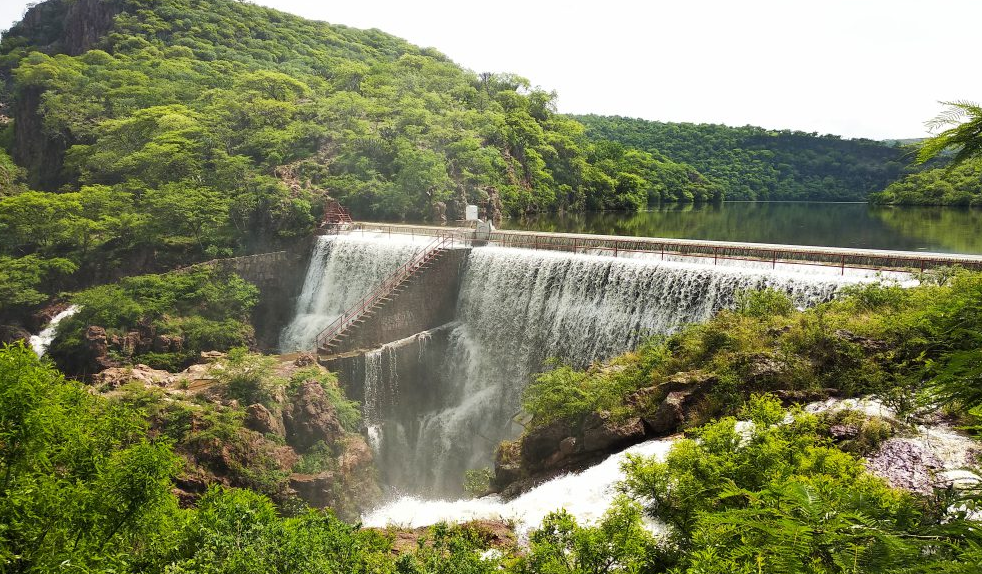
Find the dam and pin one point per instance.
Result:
(437, 332)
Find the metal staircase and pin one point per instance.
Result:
(331, 337)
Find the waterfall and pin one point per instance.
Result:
(517, 308)
(42, 340)
(431, 418)
(342, 270)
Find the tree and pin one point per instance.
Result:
(965, 137)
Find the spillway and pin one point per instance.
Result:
(443, 411)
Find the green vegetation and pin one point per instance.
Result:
(780, 498)
(751, 163)
(961, 186)
(190, 129)
(876, 339)
(160, 320)
(964, 137)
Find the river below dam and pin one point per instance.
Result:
(854, 225)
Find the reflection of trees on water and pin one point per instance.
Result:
(942, 228)
(828, 224)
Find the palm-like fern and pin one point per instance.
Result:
(965, 135)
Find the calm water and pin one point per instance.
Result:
(947, 230)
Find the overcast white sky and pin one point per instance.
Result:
(859, 68)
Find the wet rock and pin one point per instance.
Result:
(601, 433)
(671, 413)
(906, 464)
(311, 417)
(10, 334)
(261, 420)
(507, 465)
(539, 446)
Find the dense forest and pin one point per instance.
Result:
(148, 134)
(752, 163)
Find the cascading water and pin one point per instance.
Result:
(42, 340)
(516, 309)
(342, 270)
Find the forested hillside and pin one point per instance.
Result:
(161, 132)
(752, 163)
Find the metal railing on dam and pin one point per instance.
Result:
(704, 251)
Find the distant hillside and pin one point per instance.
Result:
(752, 163)
(226, 94)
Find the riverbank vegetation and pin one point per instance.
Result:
(164, 321)
(889, 341)
(88, 483)
(959, 186)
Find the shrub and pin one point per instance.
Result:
(763, 303)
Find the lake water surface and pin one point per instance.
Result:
(859, 225)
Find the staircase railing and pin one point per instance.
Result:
(325, 337)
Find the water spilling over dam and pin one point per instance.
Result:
(436, 404)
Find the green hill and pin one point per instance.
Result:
(752, 163)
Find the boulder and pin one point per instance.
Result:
(310, 417)
(539, 446)
(10, 334)
(602, 433)
(671, 414)
(115, 377)
(261, 420)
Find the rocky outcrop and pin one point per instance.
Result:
(115, 377)
(562, 447)
(260, 419)
(11, 334)
(311, 418)
(263, 451)
(678, 402)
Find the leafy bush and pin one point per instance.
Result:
(763, 303)
(780, 498)
(248, 377)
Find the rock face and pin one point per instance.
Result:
(349, 489)
(310, 418)
(260, 419)
(11, 334)
(263, 452)
(906, 465)
(561, 446)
